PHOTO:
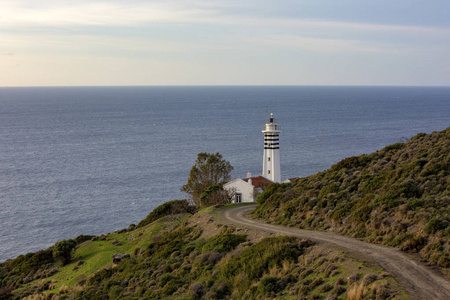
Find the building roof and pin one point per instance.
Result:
(259, 181)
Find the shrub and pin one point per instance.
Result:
(325, 288)
(196, 288)
(215, 195)
(82, 238)
(268, 285)
(209, 258)
(26, 264)
(395, 146)
(169, 208)
(368, 279)
(434, 225)
(100, 276)
(331, 188)
(177, 240)
(418, 136)
(352, 162)
(258, 258)
(413, 244)
(269, 191)
(62, 250)
(224, 242)
(63, 289)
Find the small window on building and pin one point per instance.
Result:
(268, 171)
(268, 158)
(238, 198)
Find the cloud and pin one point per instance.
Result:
(97, 13)
(326, 45)
(6, 53)
(15, 14)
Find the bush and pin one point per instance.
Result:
(169, 208)
(62, 250)
(209, 258)
(331, 188)
(258, 258)
(418, 136)
(270, 190)
(352, 162)
(434, 225)
(224, 242)
(268, 285)
(164, 245)
(413, 245)
(215, 195)
(82, 238)
(100, 276)
(395, 146)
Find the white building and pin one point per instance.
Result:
(246, 190)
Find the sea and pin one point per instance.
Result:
(93, 160)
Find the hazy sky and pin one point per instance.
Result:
(193, 42)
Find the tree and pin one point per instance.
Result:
(209, 169)
(216, 194)
(63, 250)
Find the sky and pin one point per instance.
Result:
(228, 42)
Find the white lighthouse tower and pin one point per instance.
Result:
(271, 160)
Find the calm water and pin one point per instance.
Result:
(92, 160)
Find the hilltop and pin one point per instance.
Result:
(397, 196)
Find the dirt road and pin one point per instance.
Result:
(418, 280)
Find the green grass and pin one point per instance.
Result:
(97, 254)
(206, 210)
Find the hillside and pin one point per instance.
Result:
(397, 196)
(186, 256)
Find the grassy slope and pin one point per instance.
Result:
(398, 196)
(178, 263)
(90, 257)
(98, 253)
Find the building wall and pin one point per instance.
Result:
(241, 187)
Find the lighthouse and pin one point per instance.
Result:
(271, 160)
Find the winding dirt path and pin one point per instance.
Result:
(418, 280)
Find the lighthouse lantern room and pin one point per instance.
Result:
(271, 160)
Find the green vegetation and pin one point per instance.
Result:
(169, 208)
(215, 195)
(62, 250)
(171, 259)
(209, 170)
(224, 242)
(398, 196)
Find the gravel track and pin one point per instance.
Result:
(417, 279)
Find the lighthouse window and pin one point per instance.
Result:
(268, 158)
(268, 171)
